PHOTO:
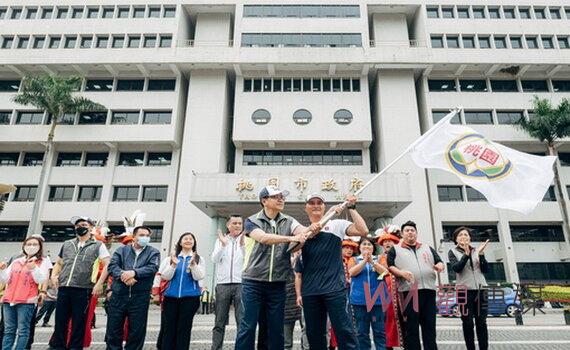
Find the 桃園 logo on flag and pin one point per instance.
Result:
(474, 156)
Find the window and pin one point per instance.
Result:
(247, 85)
(92, 12)
(516, 42)
(327, 85)
(13, 233)
(77, 12)
(342, 117)
(150, 41)
(98, 159)
(16, 13)
(47, 12)
(123, 12)
(169, 12)
(452, 42)
(25, 193)
(108, 12)
(70, 42)
(7, 42)
(102, 42)
(531, 42)
(30, 117)
(154, 193)
(61, 12)
(563, 41)
(68, 159)
(509, 13)
(468, 42)
(126, 193)
(509, 117)
(61, 193)
(479, 12)
(138, 12)
(99, 85)
(261, 117)
(437, 41)
(561, 85)
(302, 117)
(86, 42)
(297, 85)
(153, 12)
(478, 232)
(356, 85)
(277, 84)
(463, 12)
(539, 13)
(555, 13)
(302, 157)
(484, 42)
(537, 233)
(39, 42)
(5, 117)
(346, 85)
(439, 115)
(307, 85)
(500, 42)
(524, 12)
(118, 42)
(161, 84)
(23, 42)
(478, 117)
(447, 12)
(534, 86)
(9, 159)
(494, 13)
(432, 12)
(159, 159)
(89, 193)
(92, 118)
(33, 159)
(504, 86)
(125, 117)
(441, 85)
(547, 42)
(474, 196)
(3, 12)
(165, 41)
(550, 195)
(157, 117)
(131, 158)
(58, 233)
(130, 85)
(9, 85)
(544, 272)
(31, 12)
(450, 193)
(473, 85)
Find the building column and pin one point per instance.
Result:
(507, 251)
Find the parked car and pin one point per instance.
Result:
(501, 301)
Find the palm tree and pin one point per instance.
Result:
(57, 96)
(5, 189)
(550, 124)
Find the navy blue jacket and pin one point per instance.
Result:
(145, 266)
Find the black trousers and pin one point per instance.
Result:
(475, 308)
(178, 317)
(135, 307)
(45, 311)
(423, 317)
(72, 304)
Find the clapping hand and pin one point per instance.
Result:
(31, 263)
(481, 248)
(223, 239)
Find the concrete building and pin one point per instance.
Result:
(209, 101)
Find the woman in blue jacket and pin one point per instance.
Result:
(367, 272)
(183, 270)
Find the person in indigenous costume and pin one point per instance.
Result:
(387, 238)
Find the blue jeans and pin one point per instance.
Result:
(255, 296)
(17, 320)
(364, 320)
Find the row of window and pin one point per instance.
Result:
(301, 84)
(447, 193)
(495, 85)
(87, 159)
(302, 157)
(86, 41)
(558, 272)
(60, 233)
(301, 11)
(500, 117)
(519, 233)
(87, 118)
(498, 12)
(500, 41)
(88, 12)
(301, 40)
(118, 84)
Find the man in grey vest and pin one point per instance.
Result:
(415, 265)
(72, 273)
(266, 269)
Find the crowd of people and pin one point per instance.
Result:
(347, 288)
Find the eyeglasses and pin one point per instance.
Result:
(277, 197)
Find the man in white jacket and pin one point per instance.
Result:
(228, 256)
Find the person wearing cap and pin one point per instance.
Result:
(267, 267)
(415, 266)
(72, 274)
(323, 288)
(133, 268)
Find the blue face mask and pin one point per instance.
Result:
(143, 241)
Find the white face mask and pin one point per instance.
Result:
(31, 250)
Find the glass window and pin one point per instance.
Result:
(159, 159)
(134, 41)
(473, 85)
(89, 193)
(157, 117)
(138, 12)
(92, 118)
(9, 85)
(439, 115)
(346, 85)
(531, 42)
(500, 42)
(16, 13)
(432, 12)
(54, 42)
(125, 117)
(450, 193)
(47, 12)
(539, 13)
(478, 117)
(494, 12)
(478, 232)
(161, 84)
(524, 12)
(463, 12)
(3, 11)
(302, 157)
(5, 117)
(99, 85)
(39, 42)
(33, 159)
(68, 159)
(126, 193)
(9, 159)
(468, 42)
(484, 42)
(7, 42)
(509, 117)
(70, 42)
(534, 85)
(102, 41)
(108, 12)
(118, 41)
(257, 85)
(150, 41)
(165, 41)
(13, 233)
(302, 117)
(62, 12)
(342, 117)
(479, 12)
(131, 159)
(516, 42)
(547, 42)
(58, 233)
(447, 12)
(509, 12)
(169, 11)
(31, 12)
(92, 12)
(86, 42)
(277, 86)
(441, 85)
(474, 196)
(25, 193)
(452, 42)
(123, 12)
(355, 85)
(544, 272)
(550, 195)
(563, 42)
(537, 233)
(504, 86)
(261, 117)
(130, 84)
(266, 84)
(96, 159)
(30, 117)
(437, 41)
(561, 85)
(154, 193)
(23, 42)
(555, 13)
(61, 193)
(297, 85)
(316, 85)
(247, 85)
(153, 12)
(327, 85)
(77, 12)
(307, 85)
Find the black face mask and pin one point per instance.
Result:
(81, 231)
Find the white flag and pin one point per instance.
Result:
(509, 179)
